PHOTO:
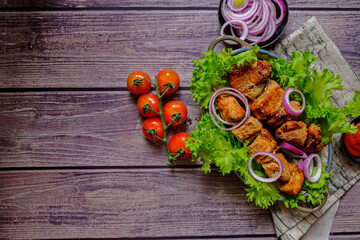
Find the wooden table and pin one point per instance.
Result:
(73, 160)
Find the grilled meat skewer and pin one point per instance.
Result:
(261, 140)
(268, 105)
(265, 101)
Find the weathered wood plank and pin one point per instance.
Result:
(40, 129)
(345, 237)
(129, 203)
(100, 48)
(348, 213)
(160, 3)
(137, 203)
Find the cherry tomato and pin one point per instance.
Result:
(136, 84)
(177, 145)
(168, 77)
(352, 142)
(146, 101)
(175, 110)
(153, 129)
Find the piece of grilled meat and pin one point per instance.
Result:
(280, 116)
(230, 109)
(268, 102)
(293, 132)
(297, 134)
(251, 75)
(248, 130)
(265, 96)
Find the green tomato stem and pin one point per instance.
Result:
(150, 108)
(167, 89)
(170, 158)
(148, 81)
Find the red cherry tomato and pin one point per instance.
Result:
(175, 110)
(136, 84)
(153, 129)
(177, 145)
(146, 101)
(168, 77)
(352, 142)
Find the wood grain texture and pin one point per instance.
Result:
(81, 49)
(51, 129)
(345, 237)
(59, 4)
(137, 203)
(347, 214)
(130, 203)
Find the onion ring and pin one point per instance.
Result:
(287, 105)
(212, 110)
(257, 177)
(308, 168)
(292, 150)
(242, 23)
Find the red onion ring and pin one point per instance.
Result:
(281, 18)
(260, 26)
(292, 150)
(308, 168)
(242, 23)
(212, 110)
(257, 177)
(236, 9)
(286, 102)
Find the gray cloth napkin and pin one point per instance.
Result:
(292, 224)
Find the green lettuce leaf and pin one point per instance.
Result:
(220, 148)
(317, 88)
(315, 191)
(211, 70)
(353, 108)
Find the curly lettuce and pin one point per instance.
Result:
(317, 88)
(315, 191)
(220, 148)
(353, 108)
(211, 71)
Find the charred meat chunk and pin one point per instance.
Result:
(264, 142)
(247, 77)
(272, 168)
(293, 132)
(281, 116)
(313, 142)
(268, 102)
(249, 128)
(230, 109)
(255, 91)
(292, 186)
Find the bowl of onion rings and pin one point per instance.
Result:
(257, 22)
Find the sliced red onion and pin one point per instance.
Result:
(259, 16)
(307, 166)
(212, 111)
(257, 177)
(292, 150)
(286, 102)
(241, 23)
(259, 27)
(232, 6)
(282, 6)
